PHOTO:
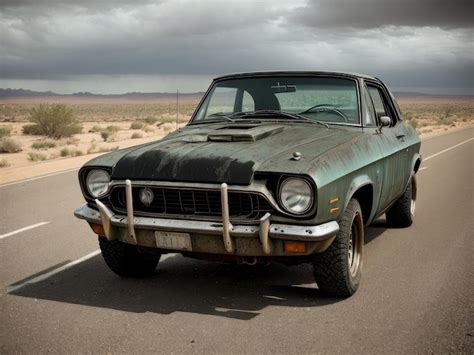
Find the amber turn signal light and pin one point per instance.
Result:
(294, 247)
(97, 228)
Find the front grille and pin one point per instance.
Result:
(186, 202)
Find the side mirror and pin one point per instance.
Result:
(385, 121)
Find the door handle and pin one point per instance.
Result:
(400, 135)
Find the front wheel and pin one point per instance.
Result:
(125, 260)
(338, 270)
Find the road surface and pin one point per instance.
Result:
(57, 295)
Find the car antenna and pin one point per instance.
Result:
(177, 109)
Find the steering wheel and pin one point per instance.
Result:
(326, 108)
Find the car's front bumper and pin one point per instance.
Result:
(263, 239)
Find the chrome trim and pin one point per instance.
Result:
(276, 231)
(226, 225)
(304, 233)
(105, 216)
(263, 234)
(130, 218)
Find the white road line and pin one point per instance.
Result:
(23, 229)
(447, 149)
(53, 272)
(47, 275)
(37, 177)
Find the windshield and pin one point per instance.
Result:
(325, 99)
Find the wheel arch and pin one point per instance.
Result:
(362, 188)
(415, 165)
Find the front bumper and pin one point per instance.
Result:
(263, 239)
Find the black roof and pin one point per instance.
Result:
(294, 72)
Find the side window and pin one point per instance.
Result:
(376, 96)
(222, 100)
(380, 103)
(248, 104)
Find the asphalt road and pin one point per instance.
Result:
(416, 294)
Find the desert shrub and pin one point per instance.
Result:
(32, 130)
(43, 144)
(105, 135)
(55, 121)
(9, 145)
(136, 125)
(5, 131)
(444, 120)
(136, 135)
(33, 156)
(413, 122)
(4, 163)
(96, 129)
(68, 152)
(168, 126)
(150, 120)
(96, 149)
(113, 129)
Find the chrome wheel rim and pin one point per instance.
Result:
(412, 207)
(355, 245)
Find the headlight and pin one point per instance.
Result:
(97, 182)
(296, 195)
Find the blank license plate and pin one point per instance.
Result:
(173, 240)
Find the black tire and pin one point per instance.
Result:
(338, 270)
(125, 260)
(402, 213)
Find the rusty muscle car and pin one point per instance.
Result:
(283, 167)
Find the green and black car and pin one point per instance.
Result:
(273, 166)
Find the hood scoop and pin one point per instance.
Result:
(242, 133)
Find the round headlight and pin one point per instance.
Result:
(296, 195)
(97, 182)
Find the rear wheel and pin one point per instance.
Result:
(125, 260)
(402, 213)
(338, 270)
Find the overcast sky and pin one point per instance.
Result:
(116, 46)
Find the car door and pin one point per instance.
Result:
(394, 147)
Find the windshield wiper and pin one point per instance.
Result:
(215, 117)
(277, 113)
(222, 114)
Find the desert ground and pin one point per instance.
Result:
(132, 121)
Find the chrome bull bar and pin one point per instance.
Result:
(265, 230)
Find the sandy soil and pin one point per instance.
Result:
(89, 144)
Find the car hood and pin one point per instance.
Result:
(228, 153)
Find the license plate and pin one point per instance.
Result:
(173, 240)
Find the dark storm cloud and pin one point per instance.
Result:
(62, 39)
(376, 13)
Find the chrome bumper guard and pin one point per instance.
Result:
(265, 231)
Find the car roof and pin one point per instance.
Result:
(294, 72)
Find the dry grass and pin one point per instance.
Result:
(46, 144)
(4, 163)
(136, 135)
(5, 131)
(429, 113)
(9, 145)
(70, 152)
(33, 156)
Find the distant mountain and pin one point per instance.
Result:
(409, 94)
(31, 93)
(23, 92)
